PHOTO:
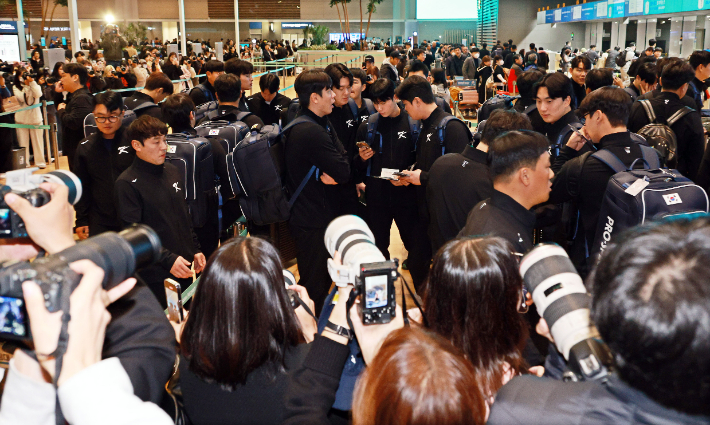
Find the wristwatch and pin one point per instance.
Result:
(337, 329)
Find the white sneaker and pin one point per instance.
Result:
(42, 166)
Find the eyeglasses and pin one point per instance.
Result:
(112, 118)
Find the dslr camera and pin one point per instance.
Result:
(562, 300)
(361, 263)
(25, 184)
(118, 254)
(32, 75)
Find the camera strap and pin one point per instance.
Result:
(305, 307)
(415, 298)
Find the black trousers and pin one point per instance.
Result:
(312, 258)
(386, 203)
(97, 229)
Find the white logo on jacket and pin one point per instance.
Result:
(277, 108)
(122, 149)
(464, 163)
(401, 135)
(177, 188)
(428, 137)
(350, 123)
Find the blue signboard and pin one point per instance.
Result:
(8, 27)
(616, 8)
(588, 11)
(550, 16)
(566, 14)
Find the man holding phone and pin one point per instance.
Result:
(606, 112)
(386, 146)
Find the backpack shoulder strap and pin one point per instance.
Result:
(299, 120)
(610, 160)
(650, 156)
(442, 130)
(144, 105)
(241, 115)
(530, 109)
(575, 175)
(680, 113)
(648, 107)
(205, 91)
(372, 127)
(370, 106)
(300, 187)
(353, 107)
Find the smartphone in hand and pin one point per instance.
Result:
(173, 294)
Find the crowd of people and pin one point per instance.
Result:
(379, 142)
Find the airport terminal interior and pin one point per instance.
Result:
(370, 212)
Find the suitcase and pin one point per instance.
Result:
(193, 157)
(229, 134)
(19, 158)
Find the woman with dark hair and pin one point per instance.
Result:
(472, 298)
(241, 338)
(439, 84)
(171, 67)
(416, 378)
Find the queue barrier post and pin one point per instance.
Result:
(55, 145)
(47, 143)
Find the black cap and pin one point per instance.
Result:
(395, 54)
(370, 58)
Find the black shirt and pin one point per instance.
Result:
(552, 131)
(307, 145)
(98, 163)
(457, 182)
(395, 150)
(500, 215)
(457, 136)
(79, 105)
(688, 130)
(269, 112)
(154, 195)
(138, 99)
(580, 92)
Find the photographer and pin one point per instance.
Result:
(28, 93)
(79, 104)
(100, 159)
(138, 334)
(111, 79)
(151, 192)
(651, 310)
(113, 43)
(459, 181)
(242, 337)
(521, 174)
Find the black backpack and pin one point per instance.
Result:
(228, 133)
(499, 101)
(415, 127)
(621, 59)
(202, 110)
(660, 136)
(636, 196)
(294, 107)
(193, 157)
(208, 94)
(257, 170)
(90, 127)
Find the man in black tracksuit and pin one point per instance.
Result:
(391, 149)
(415, 92)
(606, 112)
(99, 160)
(459, 181)
(555, 103)
(269, 104)
(228, 92)
(71, 114)
(345, 124)
(243, 70)
(179, 113)
(688, 130)
(150, 192)
(146, 100)
(205, 92)
(311, 145)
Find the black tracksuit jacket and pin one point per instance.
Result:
(307, 145)
(270, 113)
(98, 164)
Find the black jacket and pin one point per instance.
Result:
(138, 99)
(98, 163)
(396, 151)
(454, 65)
(500, 215)
(552, 131)
(389, 71)
(270, 113)
(258, 401)
(592, 180)
(532, 400)
(311, 390)
(199, 97)
(79, 105)
(695, 90)
(307, 145)
(580, 92)
(457, 182)
(688, 130)
(154, 195)
(140, 335)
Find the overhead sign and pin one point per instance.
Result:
(8, 27)
(295, 24)
(607, 9)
